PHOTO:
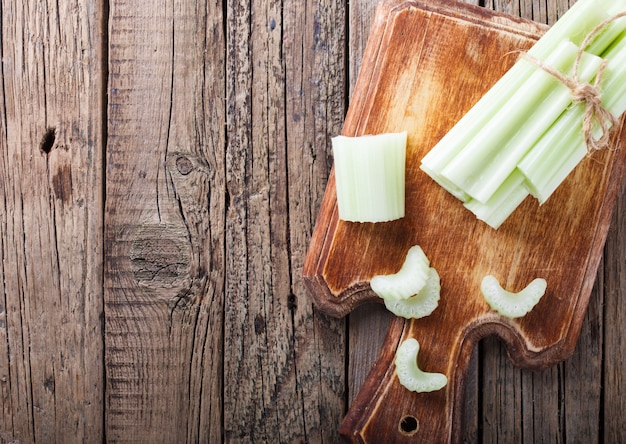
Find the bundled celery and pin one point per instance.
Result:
(551, 160)
(525, 134)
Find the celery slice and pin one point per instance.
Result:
(370, 176)
(408, 281)
(409, 373)
(509, 304)
(420, 305)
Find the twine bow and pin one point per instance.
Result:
(588, 93)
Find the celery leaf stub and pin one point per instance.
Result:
(409, 373)
(370, 176)
(509, 304)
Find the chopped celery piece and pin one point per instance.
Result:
(408, 281)
(409, 373)
(420, 305)
(502, 203)
(370, 176)
(509, 304)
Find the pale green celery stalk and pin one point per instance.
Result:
(446, 184)
(370, 176)
(504, 201)
(493, 158)
(554, 157)
(466, 167)
(616, 7)
(607, 38)
(574, 25)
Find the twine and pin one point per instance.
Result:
(587, 92)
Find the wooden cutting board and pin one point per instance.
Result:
(425, 65)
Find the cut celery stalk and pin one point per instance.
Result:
(502, 203)
(370, 176)
(563, 146)
(509, 304)
(408, 281)
(607, 37)
(421, 304)
(409, 373)
(481, 167)
(574, 25)
(555, 155)
(446, 184)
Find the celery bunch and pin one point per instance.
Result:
(525, 135)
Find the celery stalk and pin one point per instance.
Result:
(466, 167)
(608, 37)
(484, 164)
(554, 157)
(574, 25)
(446, 184)
(502, 203)
(370, 176)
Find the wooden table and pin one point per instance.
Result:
(161, 169)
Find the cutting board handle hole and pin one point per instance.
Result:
(409, 425)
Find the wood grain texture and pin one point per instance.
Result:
(284, 96)
(165, 221)
(51, 194)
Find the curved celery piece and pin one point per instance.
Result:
(509, 304)
(409, 373)
(408, 281)
(370, 176)
(420, 305)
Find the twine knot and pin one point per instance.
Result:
(590, 94)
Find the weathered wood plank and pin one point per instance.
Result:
(314, 54)
(51, 144)
(164, 235)
(284, 96)
(613, 380)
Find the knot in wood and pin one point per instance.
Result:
(160, 256)
(184, 165)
